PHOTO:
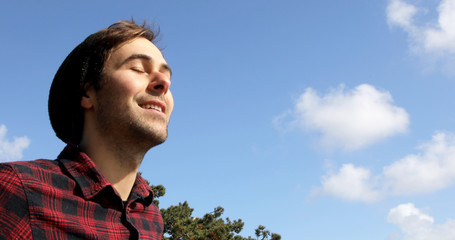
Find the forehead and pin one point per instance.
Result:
(136, 46)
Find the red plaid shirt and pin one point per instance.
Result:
(69, 198)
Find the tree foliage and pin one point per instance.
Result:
(180, 224)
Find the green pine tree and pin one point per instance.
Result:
(180, 224)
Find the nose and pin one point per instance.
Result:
(159, 83)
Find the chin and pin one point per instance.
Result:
(156, 139)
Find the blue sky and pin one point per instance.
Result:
(318, 119)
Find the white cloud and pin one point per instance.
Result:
(442, 36)
(436, 37)
(415, 225)
(431, 170)
(11, 151)
(350, 183)
(400, 14)
(350, 120)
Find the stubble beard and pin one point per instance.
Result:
(129, 133)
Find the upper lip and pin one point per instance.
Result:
(154, 103)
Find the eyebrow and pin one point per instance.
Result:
(163, 66)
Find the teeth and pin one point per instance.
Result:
(149, 106)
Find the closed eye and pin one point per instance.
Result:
(139, 70)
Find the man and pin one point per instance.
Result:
(110, 102)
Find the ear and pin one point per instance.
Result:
(87, 97)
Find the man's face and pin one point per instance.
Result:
(134, 102)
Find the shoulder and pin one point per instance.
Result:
(18, 176)
(9, 179)
(14, 219)
(11, 184)
(28, 168)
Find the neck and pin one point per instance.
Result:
(116, 161)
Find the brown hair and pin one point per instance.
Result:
(84, 65)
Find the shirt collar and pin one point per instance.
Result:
(83, 171)
(90, 179)
(142, 191)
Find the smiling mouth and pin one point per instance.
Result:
(150, 106)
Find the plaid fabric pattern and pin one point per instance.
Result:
(68, 198)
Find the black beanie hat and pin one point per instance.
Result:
(83, 65)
